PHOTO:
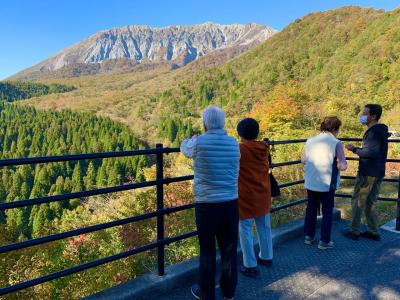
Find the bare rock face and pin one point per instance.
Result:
(137, 44)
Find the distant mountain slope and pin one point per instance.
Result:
(122, 48)
(17, 90)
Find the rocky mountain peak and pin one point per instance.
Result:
(141, 43)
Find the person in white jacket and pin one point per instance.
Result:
(323, 159)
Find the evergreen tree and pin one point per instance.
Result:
(17, 220)
(59, 186)
(77, 184)
(114, 176)
(90, 178)
(101, 179)
(15, 191)
(41, 220)
(41, 184)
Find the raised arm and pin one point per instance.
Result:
(371, 147)
(188, 147)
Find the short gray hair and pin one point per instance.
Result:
(213, 117)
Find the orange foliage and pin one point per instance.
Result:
(279, 108)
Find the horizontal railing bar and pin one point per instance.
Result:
(291, 183)
(294, 203)
(287, 184)
(339, 195)
(287, 163)
(295, 162)
(352, 158)
(350, 139)
(93, 228)
(284, 142)
(360, 140)
(177, 238)
(384, 179)
(101, 191)
(92, 264)
(395, 160)
(49, 159)
(99, 155)
(277, 208)
(388, 199)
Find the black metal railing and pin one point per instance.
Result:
(341, 195)
(159, 213)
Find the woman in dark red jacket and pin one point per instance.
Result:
(254, 198)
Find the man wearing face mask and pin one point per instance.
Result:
(371, 170)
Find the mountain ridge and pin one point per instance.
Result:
(130, 45)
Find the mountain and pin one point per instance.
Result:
(123, 48)
(326, 63)
(329, 62)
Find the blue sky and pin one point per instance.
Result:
(33, 30)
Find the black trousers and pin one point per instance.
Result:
(217, 221)
(313, 204)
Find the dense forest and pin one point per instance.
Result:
(17, 90)
(24, 132)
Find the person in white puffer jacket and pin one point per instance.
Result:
(216, 169)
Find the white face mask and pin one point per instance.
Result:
(363, 119)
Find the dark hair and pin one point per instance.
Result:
(248, 128)
(330, 124)
(375, 110)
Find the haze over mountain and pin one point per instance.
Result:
(122, 48)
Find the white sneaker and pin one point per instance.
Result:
(324, 246)
(308, 240)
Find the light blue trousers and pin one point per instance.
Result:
(263, 225)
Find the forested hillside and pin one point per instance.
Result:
(325, 63)
(24, 132)
(17, 90)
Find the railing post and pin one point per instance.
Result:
(398, 206)
(160, 206)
